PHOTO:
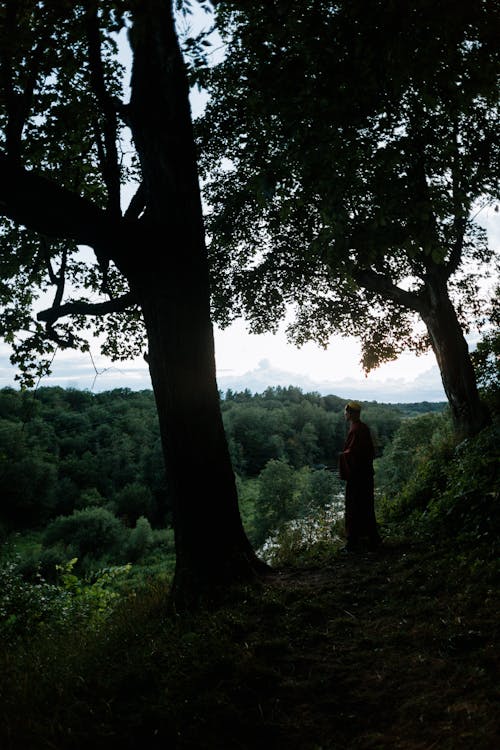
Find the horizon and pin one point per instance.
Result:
(223, 394)
(95, 374)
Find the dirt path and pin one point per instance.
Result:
(381, 651)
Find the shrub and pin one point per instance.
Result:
(133, 501)
(427, 480)
(414, 444)
(91, 531)
(27, 607)
(306, 540)
(454, 492)
(468, 507)
(24, 606)
(140, 541)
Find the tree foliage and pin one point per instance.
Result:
(64, 450)
(91, 531)
(303, 429)
(100, 204)
(486, 356)
(61, 81)
(347, 148)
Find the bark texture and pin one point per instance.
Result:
(453, 358)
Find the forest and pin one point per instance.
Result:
(82, 474)
(172, 571)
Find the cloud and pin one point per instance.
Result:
(77, 371)
(425, 387)
(72, 370)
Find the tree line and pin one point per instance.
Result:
(71, 459)
(63, 450)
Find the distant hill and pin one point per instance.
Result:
(420, 407)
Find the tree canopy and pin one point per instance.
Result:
(64, 147)
(347, 148)
(74, 132)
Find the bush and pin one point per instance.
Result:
(414, 444)
(91, 532)
(140, 541)
(28, 607)
(469, 507)
(24, 606)
(454, 492)
(427, 480)
(52, 559)
(306, 540)
(132, 502)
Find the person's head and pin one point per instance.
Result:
(352, 411)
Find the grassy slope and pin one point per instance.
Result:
(397, 650)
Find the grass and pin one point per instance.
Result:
(394, 651)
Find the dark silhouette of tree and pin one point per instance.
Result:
(69, 142)
(347, 148)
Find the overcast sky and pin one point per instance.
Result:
(257, 362)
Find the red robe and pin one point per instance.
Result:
(356, 467)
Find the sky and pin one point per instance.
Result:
(256, 362)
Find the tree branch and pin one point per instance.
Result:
(137, 203)
(44, 256)
(61, 280)
(380, 284)
(459, 221)
(109, 156)
(87, 308)
(456, 251)
(63, 343)
(42, 206)
(18, 104)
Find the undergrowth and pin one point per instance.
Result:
(397, 650)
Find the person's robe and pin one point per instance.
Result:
(356, 467)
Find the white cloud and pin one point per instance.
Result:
(72, 370)
(425, 387)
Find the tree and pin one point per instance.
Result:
(487, 354)
(68, 145)
(91, 531)
(27, 479)
(277, 497)
(347, 147)
(133, 502)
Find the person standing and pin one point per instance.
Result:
(356, 468)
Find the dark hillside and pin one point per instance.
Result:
(396, 651)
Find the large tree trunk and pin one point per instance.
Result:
(447, 340)
(171, 282)
(452, 354)
(211, 545)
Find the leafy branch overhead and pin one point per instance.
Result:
(64, 158)
(346, 149)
